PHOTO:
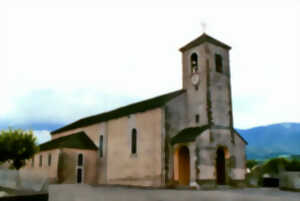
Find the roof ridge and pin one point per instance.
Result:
(204, 38)
(148, 99)
(139, 106)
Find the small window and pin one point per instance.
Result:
(219, 63)
(101, 146)
(49, 160)
(197, 118)
(80, 160)
(133, 141)
(32, 162)
(194, 63)
(41, 161)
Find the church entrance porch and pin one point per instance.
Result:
(182, 166)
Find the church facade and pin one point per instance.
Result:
(183, 138)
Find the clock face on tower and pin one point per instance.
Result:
(195, 79)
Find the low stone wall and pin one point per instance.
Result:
(23, 179)
(8, 178)
(290, 181)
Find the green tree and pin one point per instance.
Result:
(275, 165)
(251, 163)
(293, 165)
(16, 146)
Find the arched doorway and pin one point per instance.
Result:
(182, 165)
(220, 166)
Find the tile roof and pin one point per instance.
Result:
(188, 134)
(191, 133)
(123, 111)
(77, 140)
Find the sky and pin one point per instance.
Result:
(64, 60)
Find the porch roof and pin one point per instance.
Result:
(77, 141)
(188, 134)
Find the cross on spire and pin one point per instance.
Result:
(203, 24)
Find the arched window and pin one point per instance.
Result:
(133, 141)
(101, 146)
(49, 160)
(194, 63)
(219, 63)
(80, 160)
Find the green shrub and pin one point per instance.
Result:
(251, 163)
(274, 165)
(293, 165)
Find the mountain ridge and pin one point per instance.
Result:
(272, 140)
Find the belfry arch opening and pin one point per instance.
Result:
(182, 166)
(194, 63)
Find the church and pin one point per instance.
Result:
(183, 138)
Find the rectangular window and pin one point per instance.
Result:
(101, 146)
(49, 160)
(219, 63)
(41, 161)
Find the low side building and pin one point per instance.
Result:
(69, 159)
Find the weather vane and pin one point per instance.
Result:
(203, 24)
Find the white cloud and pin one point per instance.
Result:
(61, 107)
(63, 64)
(42, 136)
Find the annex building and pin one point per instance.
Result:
(185, 137)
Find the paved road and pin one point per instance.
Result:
(75, 192)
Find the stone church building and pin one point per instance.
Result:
(183, 138)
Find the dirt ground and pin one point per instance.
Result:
(79, 192)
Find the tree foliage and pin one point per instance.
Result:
(16, 146)
(251, 163)
(275, 165)
(293, 165)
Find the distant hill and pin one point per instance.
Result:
(272, 140)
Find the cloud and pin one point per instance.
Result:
(42, 136)
(65, 64)
(52, 108)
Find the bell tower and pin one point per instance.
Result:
(206, 79)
